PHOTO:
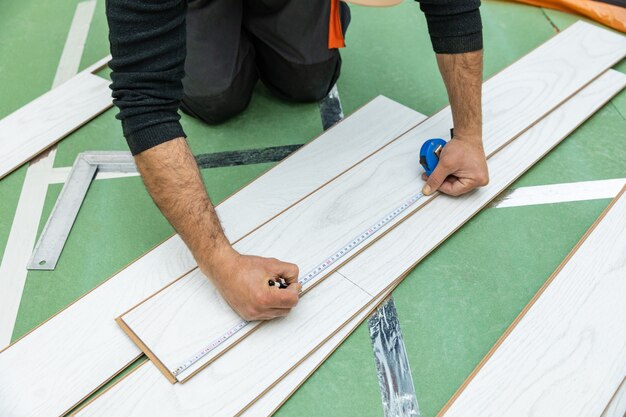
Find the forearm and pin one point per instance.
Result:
(172, 178)
(462, 165)
(462, 75)
(148, 56)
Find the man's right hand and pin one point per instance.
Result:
(171, 175)
(243, 282)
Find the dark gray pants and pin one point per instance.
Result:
(233, 43)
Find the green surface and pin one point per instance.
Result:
(452, 307)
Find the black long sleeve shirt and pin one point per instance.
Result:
(148, 54)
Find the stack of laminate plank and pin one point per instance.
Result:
(308, 206)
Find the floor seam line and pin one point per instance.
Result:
(617, 110)
(357, 285)
(554, 26)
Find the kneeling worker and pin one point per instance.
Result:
(205, 56)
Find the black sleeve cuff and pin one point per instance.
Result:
(457, 44)
(454, 26)
(154, 135)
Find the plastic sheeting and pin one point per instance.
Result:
(610, 15)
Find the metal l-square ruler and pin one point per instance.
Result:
(57, 229)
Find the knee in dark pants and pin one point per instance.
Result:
(218, 108)
(297, 82)
(215, 110)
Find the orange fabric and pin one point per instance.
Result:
(608, 14)
(335, 35)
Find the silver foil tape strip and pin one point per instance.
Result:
(330, 108)
(392, 364)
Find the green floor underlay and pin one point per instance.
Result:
(452, 307)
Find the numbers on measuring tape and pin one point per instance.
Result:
(306, 279)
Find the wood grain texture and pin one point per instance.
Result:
(184, 318)
(382, 266)
(52, 368)
(314, 314)
(44, 121)
(275, 397)
(191, 312)
(617, 405)
(566, 352)
(400, 245)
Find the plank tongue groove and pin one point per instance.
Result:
(220, 389)
(173, 325)
(52, 369)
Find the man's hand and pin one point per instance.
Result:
(243, 282)
(171, 175)
(462, 167)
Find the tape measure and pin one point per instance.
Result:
(429, 157)
(430, 154)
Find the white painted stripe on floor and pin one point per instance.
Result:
(59, 175)
(30, 204)
(561, 193)
(20, 244)
(75, 42)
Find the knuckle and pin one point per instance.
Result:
(483, 180)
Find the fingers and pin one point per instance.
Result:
(288, 271)
(275, 302)
(284, 297)
(266, 314)
(436, 178)
(274, 313)
(455, 187)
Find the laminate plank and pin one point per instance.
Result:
(173, 325)
(617, 405)
(49, 118)
(51, 369)
(399, 248)
(146, 392)
(566, 352)
(275, 397)
(315, 312)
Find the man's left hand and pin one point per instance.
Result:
(462, 167)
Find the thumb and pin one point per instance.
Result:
(436, 178)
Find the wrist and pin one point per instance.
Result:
(216, 262)
(470, 136)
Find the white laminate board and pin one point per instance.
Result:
(279, 393)
(566, 352)
(179, 321)
(617, 405)
(174, 325)
(50, 117)
(52, 368)
(379, 268)
(315, 313)
(396, 253)
(337, 150)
